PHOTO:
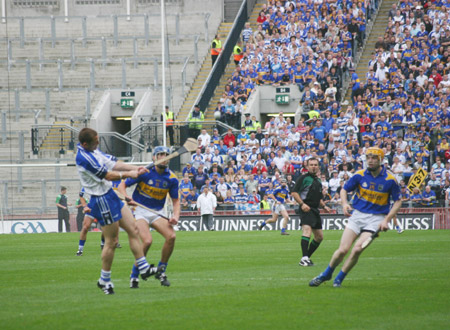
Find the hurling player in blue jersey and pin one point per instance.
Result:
(96, 170)
(374, 188)
(280, 194)
(151, 191)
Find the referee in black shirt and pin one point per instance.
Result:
(308, 194)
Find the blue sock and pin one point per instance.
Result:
(263, 224)
(81, 245)
(283, 230)
(134, 272)
(105, 276)
(340, 277)
(142, 264)
(328, 272)
(163, 265)
(102, 241)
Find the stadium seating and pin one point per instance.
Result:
(379, 103)
(78, 46)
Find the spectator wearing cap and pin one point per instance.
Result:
(195, 119)
(248, 123)
(189, 170)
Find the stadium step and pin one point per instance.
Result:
(54, 138)
(209, 112)
(378, 30)
(201, 77)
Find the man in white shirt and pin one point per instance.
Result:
(293, 135)
(279, 160)
(380, 74)
(204, 139)
(206, 205)
(421, 78)
(222, 187)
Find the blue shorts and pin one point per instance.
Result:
(106, 208)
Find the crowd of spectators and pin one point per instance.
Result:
(307, 43)
(401, 105)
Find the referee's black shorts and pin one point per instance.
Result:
(311, 218)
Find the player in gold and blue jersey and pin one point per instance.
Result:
(279, 195)
(374, 187)
(151, 191)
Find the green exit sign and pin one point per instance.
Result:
(282, 99)
(127, 103)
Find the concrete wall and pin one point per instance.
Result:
(101, 119)
(144, 110)
(267, 100)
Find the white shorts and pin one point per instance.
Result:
(360, 222)
(143, 214)
(278, 208)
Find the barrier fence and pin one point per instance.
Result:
(410, 219)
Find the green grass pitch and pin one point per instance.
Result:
(227, 280)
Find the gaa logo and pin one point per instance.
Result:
(27, 228)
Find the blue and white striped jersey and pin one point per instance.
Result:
(92, 167)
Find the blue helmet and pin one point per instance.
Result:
(161, 150)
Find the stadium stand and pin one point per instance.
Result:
(58, 69)
(397, 99)
(400, 103)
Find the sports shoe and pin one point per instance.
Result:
(261, 226)
(107, 288)
(337, 284)
(284, 233)
(101, 246)
(162, 277)
(79, 253)
(118, 246)
(318, 280)
(399, 230)
(152, 270)
(306, 262)
(134, 283)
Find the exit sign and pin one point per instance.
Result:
(282, 99)
(127, 103)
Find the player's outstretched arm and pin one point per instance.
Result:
(395, 208)
(324, 206)
(176, 211)
(345, 205)
(121, 166)
(122, 190)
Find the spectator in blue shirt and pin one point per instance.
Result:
(428, 197)
(416, 197)
(319, 132)
(328, 121)
(189, 170)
